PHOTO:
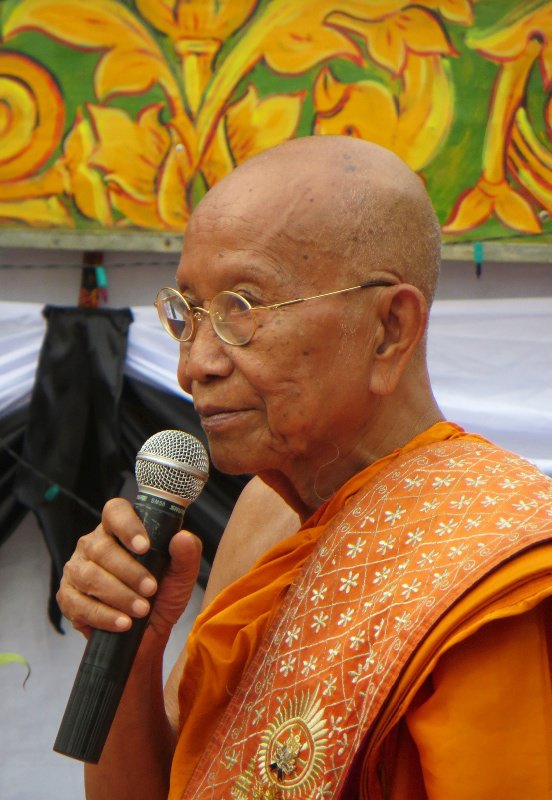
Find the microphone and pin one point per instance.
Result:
(171, 469)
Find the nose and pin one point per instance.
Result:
(204, 357)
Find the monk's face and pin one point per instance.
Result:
(297, 395)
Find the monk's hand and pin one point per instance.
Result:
(104, 587)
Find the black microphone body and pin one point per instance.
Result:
(108, 657)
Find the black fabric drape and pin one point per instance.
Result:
(73, 431)
(12, 430)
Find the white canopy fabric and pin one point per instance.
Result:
(490, 363)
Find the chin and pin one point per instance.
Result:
(236, 458)
(230, 462)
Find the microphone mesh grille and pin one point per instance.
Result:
(177, 446)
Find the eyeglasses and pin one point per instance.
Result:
(231, 315)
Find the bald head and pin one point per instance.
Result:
(341, 200)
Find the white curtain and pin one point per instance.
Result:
(490, 363)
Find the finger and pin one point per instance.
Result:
(185, 552)
(86, 613)
(90, 579)
(178, 582)
(120, 520)
(99, 556)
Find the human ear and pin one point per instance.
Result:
(402, 315)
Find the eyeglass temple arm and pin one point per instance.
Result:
(328, 294)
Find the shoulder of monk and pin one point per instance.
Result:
(448, 489)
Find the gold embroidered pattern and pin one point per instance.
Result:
(292, 749)
(248, 787)
(286, 755)
(396, 558)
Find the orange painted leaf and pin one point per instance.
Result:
(125, 71)
(86, 184)
(50, 182)
(253, 124)
(296, 48)
(514, 211)
(141, 213)
(39, 213)
(329, 94)
(473, 208)
(459, 11)
(196, 19)
(160, 13)
(45, 184)
(172, 203)
(218, 160)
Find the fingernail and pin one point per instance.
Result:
(122, 623)
(148, 587)
(139, 543)
(140, 607)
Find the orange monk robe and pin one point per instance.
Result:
(418, 759)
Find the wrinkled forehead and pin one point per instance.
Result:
(251, 231)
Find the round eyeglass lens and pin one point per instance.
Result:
(175, 315)
(231, 318)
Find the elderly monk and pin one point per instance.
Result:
(377, 621)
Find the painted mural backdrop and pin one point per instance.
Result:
(121, 113)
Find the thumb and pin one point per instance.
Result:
(178, 582)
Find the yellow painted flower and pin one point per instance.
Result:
(390, 40)
(197, 29)
(250, 126)
(413, 124)
(365, 109)
(132, 156)
(254, 125)
(196, 19)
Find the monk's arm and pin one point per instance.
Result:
(101, 584)
(136, 760)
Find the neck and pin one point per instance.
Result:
(313, 484)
